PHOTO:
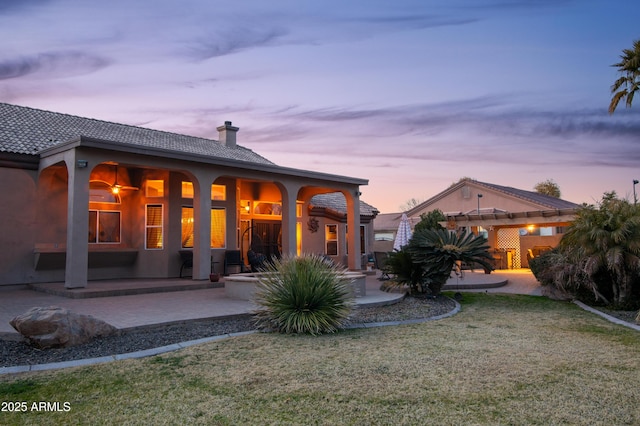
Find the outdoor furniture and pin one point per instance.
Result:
(256, 260)
(233, 258)
(380, 258)
(187, 261)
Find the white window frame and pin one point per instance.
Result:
(147, 226)
(97, 230)
(327, 241)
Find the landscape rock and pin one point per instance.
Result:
(52, 327)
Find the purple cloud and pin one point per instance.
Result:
(54, 64)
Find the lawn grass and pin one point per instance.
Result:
(504, 359)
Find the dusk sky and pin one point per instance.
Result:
(410, 94)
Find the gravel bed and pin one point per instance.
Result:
(13, 353)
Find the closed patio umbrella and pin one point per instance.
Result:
(404, 233)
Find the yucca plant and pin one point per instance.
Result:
(303, 295)
(438, 250)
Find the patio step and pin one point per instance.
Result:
(122, 288)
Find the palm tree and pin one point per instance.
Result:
(604, 245)
(629, 82)
(437, 251)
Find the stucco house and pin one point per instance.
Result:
(86, 199)
(518, 224)
(328, 217)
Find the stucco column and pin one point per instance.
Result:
(353, 222)
(202, 227)
(289, 197)
(77, 260)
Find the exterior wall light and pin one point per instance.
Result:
(82, 164)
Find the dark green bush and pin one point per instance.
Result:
(426, 263)
(405, 272)
(544, 266)
(598, 259)
(303, 295)
(438, 250)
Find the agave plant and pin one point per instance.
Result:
(437, 251)
(304, 294)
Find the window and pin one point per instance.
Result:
(153, 225)
(267, 208)
(187, 190)
(546, 231)
(104, 226)
(299, 208)
(331, 240)
(532, 230)
(218, 227)
(187, 226)
(384, 236)
(100, 192)
(154, 188)
(218, 192)
(483, 232)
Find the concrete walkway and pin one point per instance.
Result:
(513, 281)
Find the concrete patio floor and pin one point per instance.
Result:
(138, 310)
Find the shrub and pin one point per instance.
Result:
(554, 269)
(405, 272)
(303, 295)
(598, 259)
(545, 267)
(436, 251)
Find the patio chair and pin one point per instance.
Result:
(380, 258)
(256, 260)
(233, 258)
(187, 261)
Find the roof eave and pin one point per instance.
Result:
(88, 142)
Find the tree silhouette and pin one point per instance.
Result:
(629, 82)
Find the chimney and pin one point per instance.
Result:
(227, 134)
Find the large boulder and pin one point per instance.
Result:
(51, 327)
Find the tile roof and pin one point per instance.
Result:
(544, 202)
(390, 221)
(536, 197)
(26, 130)
(337, 202)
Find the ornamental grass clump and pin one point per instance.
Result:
(303, 295)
